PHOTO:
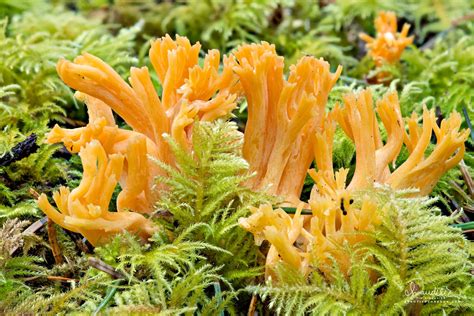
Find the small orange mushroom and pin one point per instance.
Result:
(423, 172)
(189, 92)
(358, 120)
(388, 45)
(281, 230)
(335, 222)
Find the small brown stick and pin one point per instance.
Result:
(104, 267)
(61, 278)
(467, 178)
(52, 235)
(252, 306)
(53, 241)
(463, 19)
(35, 226)
(468, 209)
(459, 212)
(35, 194)
(51, 277)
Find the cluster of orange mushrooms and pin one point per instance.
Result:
(287, 129)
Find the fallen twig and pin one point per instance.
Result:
(465, 18)
(33, 193)
(72, 123)
(19, 151)
(460, 190)
(467, 178)
(52, 278)
(104, 267)
(252, 306)
(53, 241)
(33, 228)
(458, 211)
(61, 278)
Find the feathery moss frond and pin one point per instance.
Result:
(206, 187)
(160, 277)
(14, 268)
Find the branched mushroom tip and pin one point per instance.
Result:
(388, 45)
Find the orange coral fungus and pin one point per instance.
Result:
(357, 119)
(309, 242)
(336, 219)
(306, 244)
(190, 92)
(281, 230)
(282, 115)
(423, 172)
(85, 209)
(388, 45)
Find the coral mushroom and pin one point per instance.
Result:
(85, 209)
(306, 244)
(357, 119)
(388, 45)
(282, 116)
(302, 241)
(423, 172)
(189, 92)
